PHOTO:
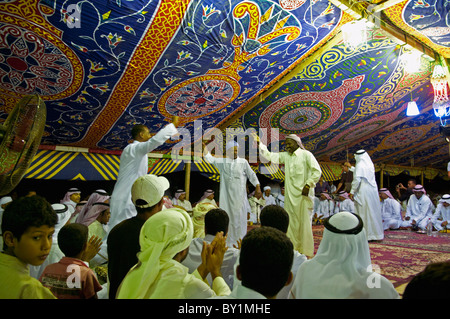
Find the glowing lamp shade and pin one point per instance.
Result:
(412, 109)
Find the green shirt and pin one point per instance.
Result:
(16, 282)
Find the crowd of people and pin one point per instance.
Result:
(140, 243)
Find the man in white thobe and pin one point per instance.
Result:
(71, 199)
(365, 195)
(391, 210)
(280, 198)
(216, 220)
(324, 207)
(342, 267)
(256, 205)
(419, 210)
(180, 201)
(441, 216)
(133, 164)
(234, 172)
(302, 172)
(268, 197)
(344, 203)
(208, 197)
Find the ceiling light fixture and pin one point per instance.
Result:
(441, 104)
(412, 109)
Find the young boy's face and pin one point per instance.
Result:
(34, 245)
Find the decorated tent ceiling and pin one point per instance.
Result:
(103, 66)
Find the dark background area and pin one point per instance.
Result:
(54, 190)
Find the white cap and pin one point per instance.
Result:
(149, 188)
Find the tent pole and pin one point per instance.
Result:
(187, 178)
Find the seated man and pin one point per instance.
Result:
(71, 199)
(257, 202)
(344, 204)
(419, 210)
(280, 198)
(216, 220)
(441, 216)
(147, 194)
(208, 197)
(324, 207)
(391, 210)
(164, 240)
(198, 218)
(180, 201)
(264, 265)
(270, 200)
(341, 268)
(276, 217)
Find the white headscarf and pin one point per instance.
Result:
(340, 267)
(445, 199)
(297, 139)
(162, 236)
(63, 214)
(364, 167)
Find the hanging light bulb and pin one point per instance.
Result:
(412, 109)
(354, 34)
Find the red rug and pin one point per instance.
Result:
(403, 253)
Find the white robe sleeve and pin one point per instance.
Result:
(157, 140)
(436, 216)
(314, 170)
(274, 158)
(200, 289)
(355, 184)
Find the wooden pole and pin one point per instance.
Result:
(187, 178)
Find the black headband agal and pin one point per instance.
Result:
(352, 231)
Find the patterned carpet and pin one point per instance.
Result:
(403, 253)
